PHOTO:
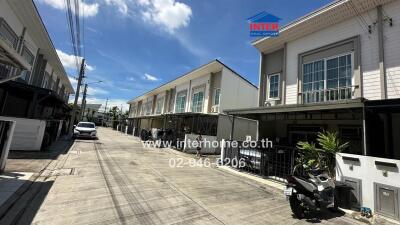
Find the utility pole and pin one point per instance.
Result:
(78, 87)
(104, 115)
(83, 104)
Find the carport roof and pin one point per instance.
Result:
(345, 104)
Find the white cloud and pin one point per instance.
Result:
(120, 4)
(169, 14)
(87, 9)
(150, 77)
(69, 61)
(96, 91)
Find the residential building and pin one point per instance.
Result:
(191, 103)
(91, 113)
(338, 68)
(34, 88)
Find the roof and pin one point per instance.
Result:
(213, 66)
(345, 104)
(29, 16)
(328, 15)
(263, 17)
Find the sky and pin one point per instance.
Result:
(134, 46)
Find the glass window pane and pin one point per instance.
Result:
(332, 74)
(342, 61)
(332, 63)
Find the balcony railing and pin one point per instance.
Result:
(327, 95)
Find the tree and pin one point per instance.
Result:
(114, 112)
(312, 157)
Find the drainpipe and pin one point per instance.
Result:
(283, 83)
(233, 128)
(364, 139)
(382, 68)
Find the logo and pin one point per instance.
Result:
(264, 25)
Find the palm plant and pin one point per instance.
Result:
(322, 158)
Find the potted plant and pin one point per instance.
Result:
(322, 156)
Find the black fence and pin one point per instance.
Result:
(274, 162)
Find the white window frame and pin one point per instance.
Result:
(197, 90)
(269, 86)
(176, 101)
(325, 59)
(219, 96)
(157, 110)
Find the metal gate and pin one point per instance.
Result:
(276, 162)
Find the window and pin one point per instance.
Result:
(27, 55)
(313, 81)
(180, 102)
(149, 107)
(339, 72)
(197, 101)
(45, 80)
(327, 79)
(7, 34)
(159, 105)
(143, 109)
(4, 70)
(217, 95)
(26, 75)
(273, 86)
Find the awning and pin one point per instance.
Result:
(171, 115)
(10, 57)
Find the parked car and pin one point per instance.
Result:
(85, 130)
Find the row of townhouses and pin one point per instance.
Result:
(337, 68)
(34, 88)
(191, 104)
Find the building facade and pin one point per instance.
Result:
(338, 68)
(191, 103)
(34, 87)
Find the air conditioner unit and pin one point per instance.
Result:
(271, 102)
(215, 109)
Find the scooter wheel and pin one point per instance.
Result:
(297, 208)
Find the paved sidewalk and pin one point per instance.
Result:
(116, 181)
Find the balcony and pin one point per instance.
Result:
(327, 95)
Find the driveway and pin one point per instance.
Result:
(114, 180)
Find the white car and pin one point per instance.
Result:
(85, 129)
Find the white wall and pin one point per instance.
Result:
(369, 52)
(392, 49)
(8, 14)
(28, 133)
(368, 172)
(236, 93)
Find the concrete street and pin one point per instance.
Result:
(114, 180)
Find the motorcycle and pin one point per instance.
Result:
(312, 192)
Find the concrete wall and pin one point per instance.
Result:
(242, 127)
(236, 93)
(369, 173)
(206, 149)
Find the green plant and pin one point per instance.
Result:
(323, 158)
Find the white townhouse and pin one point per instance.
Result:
(34, 87)
(338, 68)
(191, 103)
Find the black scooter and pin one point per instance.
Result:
(312, 192)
